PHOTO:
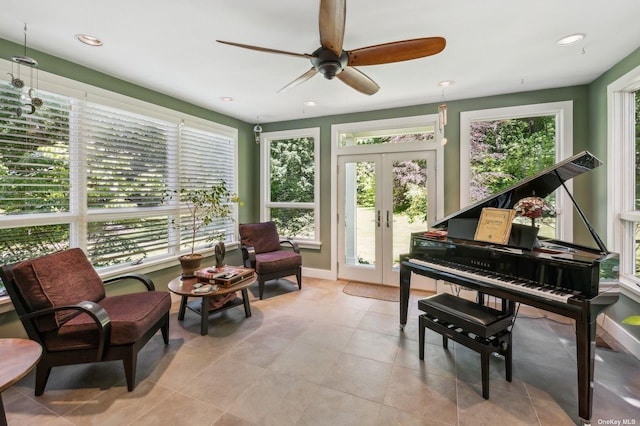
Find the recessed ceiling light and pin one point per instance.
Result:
(87, 39)
(226, 99)
(310, 103)
(570, 39)
(446, 83)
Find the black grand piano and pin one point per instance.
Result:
(571, 280)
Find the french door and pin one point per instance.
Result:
(382, 199)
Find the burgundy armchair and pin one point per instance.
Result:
(262, 250)
(61, 302)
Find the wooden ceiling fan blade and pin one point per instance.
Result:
(396, 51)
(358, 80)
(266, 49)
(332, 19)
(304, 77)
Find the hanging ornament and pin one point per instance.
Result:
(442, 121)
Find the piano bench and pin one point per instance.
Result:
(478, 327)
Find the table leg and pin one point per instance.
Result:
(183, 307)
(245, 300)
(204, 316)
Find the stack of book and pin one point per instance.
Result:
(224, 277)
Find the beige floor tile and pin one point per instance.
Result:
(330, 407)
(393, 416)
(331, 336)
(274, 400)
(501, 409)
(305, 361)
(380, 347)
(180, 410)
(222, 382)
(425, 395)
(118, 406)
(359, 376)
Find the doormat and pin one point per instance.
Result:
(380, 292)
(372, 291)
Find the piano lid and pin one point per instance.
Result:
(540, 185)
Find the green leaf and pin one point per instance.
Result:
(632, 320)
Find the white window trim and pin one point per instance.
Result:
(563, 111)
(265, 182)
(621, 139)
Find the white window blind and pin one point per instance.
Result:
(207, 159)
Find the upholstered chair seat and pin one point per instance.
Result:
(270, 256)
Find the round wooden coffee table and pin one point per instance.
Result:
(184, 288)
(19, 356)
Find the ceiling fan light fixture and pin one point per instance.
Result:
(570, 39)
(329, 69)
(88, 40)
(446, 83)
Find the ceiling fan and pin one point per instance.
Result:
(332, 61)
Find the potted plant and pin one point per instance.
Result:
(204, 205)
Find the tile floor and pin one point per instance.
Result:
(321, 357)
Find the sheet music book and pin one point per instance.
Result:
(494, 225)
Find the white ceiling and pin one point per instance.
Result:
(493, 47)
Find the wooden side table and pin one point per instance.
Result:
(19, 356)
(184, 286)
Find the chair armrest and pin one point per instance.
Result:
(95, 311)
(138, 277)
(248, 256)
(292, 243)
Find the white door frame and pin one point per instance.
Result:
(382, 222)
(377, 125)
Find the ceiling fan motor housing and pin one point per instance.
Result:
(328, 63)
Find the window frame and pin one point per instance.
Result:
(562, 110)
(79, 214)
(621, 189)
(265, 184)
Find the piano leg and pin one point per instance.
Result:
(586, 350)
(405, 285)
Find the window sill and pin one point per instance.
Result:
(630, 288)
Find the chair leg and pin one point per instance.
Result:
(129, 363)
(165, 330)
(299, 277)
(42, 375)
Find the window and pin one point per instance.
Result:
(623, 177)
(290, 190)
(500, 147)
(82, 172)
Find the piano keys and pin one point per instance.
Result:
(571, 280)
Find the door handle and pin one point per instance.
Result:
(378, 220)
(388, 224)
